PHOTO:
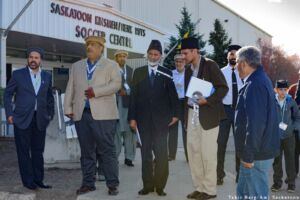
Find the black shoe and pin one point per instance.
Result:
(43, 186)
(146, 191)
(194, 195)
(160, 192)
(220, 181)
(113, 191)
(291, 188)
(31, 187)
(85, 189)
(205, 196)
(128, 163)
(275, 187)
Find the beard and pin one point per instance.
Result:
(232, 61)
(153, 63)
(33, 65)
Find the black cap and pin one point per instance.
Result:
(36, 49)
(233, 47)
(155, 44)
(190, 43)
(282, 84)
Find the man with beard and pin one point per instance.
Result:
(153, 109)
(124, 133)
(234, 83)
(34, 108)
(90, 101)
(203, 117)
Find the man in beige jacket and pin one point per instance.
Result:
(90, 101)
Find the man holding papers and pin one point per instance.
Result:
(153, 108)
(203, 114)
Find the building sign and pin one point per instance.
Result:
(116, 38)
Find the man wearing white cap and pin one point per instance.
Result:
(124, 134)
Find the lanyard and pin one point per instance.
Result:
(282, 110)
(90, 71)
(124, 72)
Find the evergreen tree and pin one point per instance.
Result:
(220, 41)
(185, 28)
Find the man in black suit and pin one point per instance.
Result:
(34, 108)
(124, 133)
(153, 108)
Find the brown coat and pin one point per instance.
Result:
(106, 81)
(212, 113)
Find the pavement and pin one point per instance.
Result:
(180, 182)
(66, 181)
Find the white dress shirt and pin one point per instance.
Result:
(150, 68)
(36, 80)
(227, 72)
(178, 79)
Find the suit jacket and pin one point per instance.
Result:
(125, 99)
(212, 113)
(21, 86)
(155, 104)
(106, 81)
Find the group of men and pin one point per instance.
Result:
(109, 103)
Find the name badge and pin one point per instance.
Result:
(283, 126)
(126, 86)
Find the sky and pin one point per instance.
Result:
(280, 18)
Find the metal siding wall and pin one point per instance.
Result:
(114, 3)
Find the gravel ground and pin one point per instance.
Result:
(64, 182)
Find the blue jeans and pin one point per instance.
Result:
(253, 182)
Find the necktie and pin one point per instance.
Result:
(152, 76)
(234, 89)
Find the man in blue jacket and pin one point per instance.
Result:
(34, 108)
(256, 126)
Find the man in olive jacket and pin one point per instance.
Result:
(202, 134)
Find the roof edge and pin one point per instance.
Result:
(243, 18)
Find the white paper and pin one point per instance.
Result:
(199, 85)
(58, 110)
(138, 136)
(283, 126)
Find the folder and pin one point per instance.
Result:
(198, 85)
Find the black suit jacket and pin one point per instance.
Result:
(21, 86)
(211, 114)
(125, 99)
(153, 105)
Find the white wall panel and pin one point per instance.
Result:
(40, 21)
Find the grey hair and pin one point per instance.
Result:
(251, 55)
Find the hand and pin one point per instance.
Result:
(70, 115)
(202, 101)
(174, 120)
(89, 93)
(133, 124)
(122, 92)
(10, 120)
(247, 165)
